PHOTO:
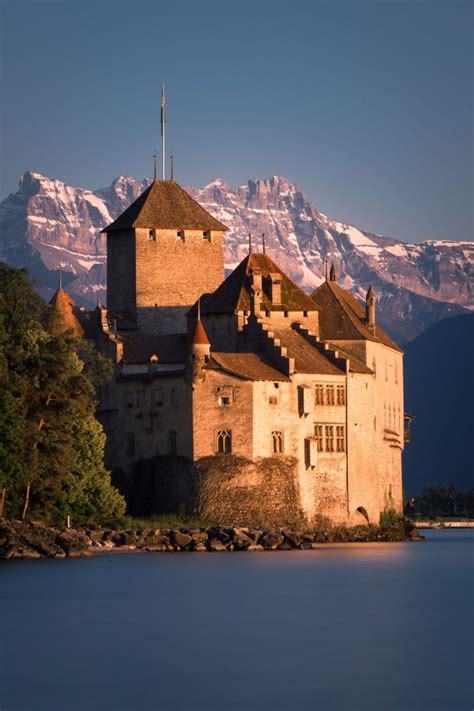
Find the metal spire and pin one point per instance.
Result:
(172, 165)
(163, 131)
(250, 243)
(199, 309)
(154, 165)
(263, 242)
(60, 279)
(327, 269)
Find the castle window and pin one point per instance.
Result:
(341, 395)
(224, 400)
(207, 235)
(305, 314)
(180, 234)
(130, 445)
(285, 314)
(318, 436)
(319, 398)
(340, 439)
(273, 400)
(330, 395)
(129, 399)
(277, 442)
(152, 234)
(172, 442)
(158, 397)
(329, 431)
(224, 442)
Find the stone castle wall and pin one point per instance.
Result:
(121, 275)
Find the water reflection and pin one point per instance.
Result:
(346, 626)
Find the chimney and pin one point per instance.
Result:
(332, 273)
(275, 289)
(370, 309)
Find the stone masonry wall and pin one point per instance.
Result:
(121, 271)
(244, 493)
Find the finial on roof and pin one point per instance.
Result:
(60, 279)
(163, 132)
(332, 273)
(172, 165)
(154, 165)
(99, 305)
(326, 269)
(263, 242)
(199, 309)
(250, 243)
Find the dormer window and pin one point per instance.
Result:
(152, 234)
(207, 235)
(180, 234)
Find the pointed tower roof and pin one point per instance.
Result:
(234, 294)
(165, 205)
(342, 317)
(200, 336)
(67, 315)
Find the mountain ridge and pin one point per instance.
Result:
(49, 225)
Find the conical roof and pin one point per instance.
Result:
(66, 315)
(165, 205)
(200, 336)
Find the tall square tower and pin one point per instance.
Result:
(163, 252)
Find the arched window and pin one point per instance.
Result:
(172, 442)
(363, 512)
(224, 442)
(277, 442)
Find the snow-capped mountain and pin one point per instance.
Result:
(48, 225)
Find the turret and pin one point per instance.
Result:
(200, 350)
(370, 309)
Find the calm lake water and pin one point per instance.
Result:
(369, 627)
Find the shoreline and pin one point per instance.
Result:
(30, 540)
(443, 524)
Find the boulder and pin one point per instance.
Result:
(181, 539)
(216, 545)
(270, 541)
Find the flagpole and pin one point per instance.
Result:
(163, 132)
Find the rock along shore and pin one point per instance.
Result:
(25, 539)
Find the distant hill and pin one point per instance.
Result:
(439, 391)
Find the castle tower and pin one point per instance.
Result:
(163, 252)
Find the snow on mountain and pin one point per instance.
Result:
(48, 225)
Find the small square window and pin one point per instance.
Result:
(224, 401)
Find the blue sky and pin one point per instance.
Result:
(366, 105)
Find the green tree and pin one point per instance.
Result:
(49, 388)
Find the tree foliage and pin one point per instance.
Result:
(51, 438)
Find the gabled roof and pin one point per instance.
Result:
(342, 317)
(165, 205)
(234, 293)
(66, 315)
(307, 358)
(248, 366)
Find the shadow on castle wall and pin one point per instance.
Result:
(225, 488)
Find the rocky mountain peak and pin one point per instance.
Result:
(48, 224)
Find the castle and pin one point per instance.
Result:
(288, 404)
